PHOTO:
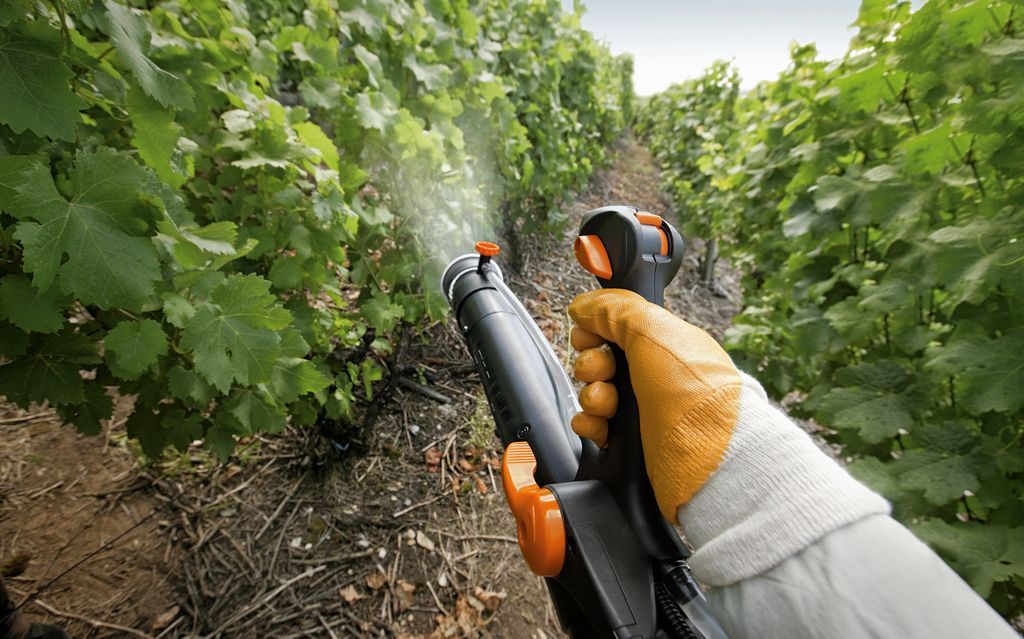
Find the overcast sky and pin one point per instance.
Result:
(672, 40)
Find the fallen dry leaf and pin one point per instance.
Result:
(491, 600)
(466, 466)
(404, 591)
(376, 581)
(432, 457)
(350, 594)
(481, 487)
(464, 622)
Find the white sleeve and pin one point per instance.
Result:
(793, 546)
(872, 578)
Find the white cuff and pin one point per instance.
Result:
(774, 494)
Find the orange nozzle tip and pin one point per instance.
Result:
(487, 249)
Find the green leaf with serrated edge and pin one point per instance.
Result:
(88, 415)
(15, 10)
(30, 309)
(35, 87)
(314, 136)
(371, 63)
(292, 343)
(248, 297)
(875, 475)
(108, 263)
(876, 416)
(863, 89)
(254, 413)
(231, 336)
(144, 426)
(375, 111)
(48, 371)
(217, 238)
(13, 341)
(942, 477)
(155, 135)
(985, 554)
(930, 151)
(11, 168)
(134, 346)
(381, 312)
(226, 348)
(287, 272)
(180, 428)
(431, 75)
(220, 438)
(990, 371)
(177, 309)
(294, 377)
(130, 33)
(190, 387)
(834, 192)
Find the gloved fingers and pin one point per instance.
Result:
(595, 365)
(611, 313)
(627, 319)
(599, 399)
(582, 339)
(591, 427)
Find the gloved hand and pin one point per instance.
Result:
(687, 388)
(749, 487)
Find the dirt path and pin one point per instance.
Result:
(76, 504)
(411, 539)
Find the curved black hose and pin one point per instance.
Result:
(670, 616)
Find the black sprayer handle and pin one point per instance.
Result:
(632, 249)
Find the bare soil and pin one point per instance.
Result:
(76, 504)
(294, 537)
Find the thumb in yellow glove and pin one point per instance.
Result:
(687, 388)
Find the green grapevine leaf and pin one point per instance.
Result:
(48, 371)
(220, 437)
(233, 336)
(834, 192)
(314, 136)
(870, 401)
(942, 477)
(375, 111)
(88, 415)
(294, 377)
(98, 229)
(133, 346)
(156, 136)
(863, 89)
(930, 151)
(990, 370)
(28, 308)
(181, 428)
(130, 32)
(190, 387)
(35, 89)
(255, 413)
(13, 341)
(985, 554)
(11, 169)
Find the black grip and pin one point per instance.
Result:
(635, 252)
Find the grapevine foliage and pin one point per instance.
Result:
(874, 205)
(223, 209)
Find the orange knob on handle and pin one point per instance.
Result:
(487, 249)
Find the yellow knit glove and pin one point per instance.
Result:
(687, 388)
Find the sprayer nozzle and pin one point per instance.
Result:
(487, 249)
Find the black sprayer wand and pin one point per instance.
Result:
(586, 517)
